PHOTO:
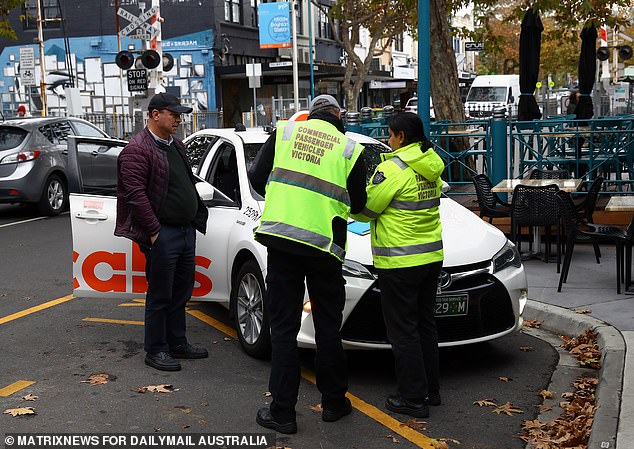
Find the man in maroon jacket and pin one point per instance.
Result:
(158, 208)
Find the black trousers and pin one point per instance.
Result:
(170, 265)
(285, 293)
(408, 298)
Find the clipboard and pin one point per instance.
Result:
(359, 227)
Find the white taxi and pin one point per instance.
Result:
(483, 287)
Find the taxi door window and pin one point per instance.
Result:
(224, 172)
(197, 148)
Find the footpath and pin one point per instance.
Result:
(592, 286)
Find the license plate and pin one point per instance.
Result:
(451, 305)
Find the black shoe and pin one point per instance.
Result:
(433, 398)
(188, 351)
(265, 419)
(399, 404)
(332, 415)
(162, 361)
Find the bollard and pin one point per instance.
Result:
(499, 151)
(343, 113)
(366, 114)
(352, 122)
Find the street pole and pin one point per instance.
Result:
(310, 49)
(423, 63)
(118, 24)
(157, 45)
(255, 109)
(295, 71)
(40, 40)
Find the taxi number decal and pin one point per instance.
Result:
(251, 213)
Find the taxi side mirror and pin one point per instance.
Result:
(205, 190)
(445, 187)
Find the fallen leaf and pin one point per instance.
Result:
(30, 397)
(504, 379)
(157, 429)
(526, 348)
(583, 311)
(507, 409)
(20, 411)
(546, 394)
(438, 444)
(215, 342)
(163, 388)
(485, 403)
(535, 424)
(316, 408)
(183, 408)
(532, 323)
(185, 426)
(267, 394)
(545, 408)
(228, 339)
(414, 424)
(97, 379)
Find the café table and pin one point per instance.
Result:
(624, 203)
(508, 185)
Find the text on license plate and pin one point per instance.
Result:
(451, 305)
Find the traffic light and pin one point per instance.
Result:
(603, 53)
(124, 59)
(625, 52)
(168, 62)
(150, 59)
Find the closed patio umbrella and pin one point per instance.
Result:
(530, 47)
(586, 71)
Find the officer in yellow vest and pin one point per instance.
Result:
(313, 177)
(402, 207)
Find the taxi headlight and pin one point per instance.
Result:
(508, 256)
(356, 270)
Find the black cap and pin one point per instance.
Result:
(169, 102)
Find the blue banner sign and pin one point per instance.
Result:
(275, 25)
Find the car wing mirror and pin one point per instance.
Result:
(445, 187)
(205, 190)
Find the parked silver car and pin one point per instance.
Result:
(34, 160)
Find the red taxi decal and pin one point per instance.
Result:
(118, 280)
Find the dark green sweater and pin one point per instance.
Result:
(181, 202)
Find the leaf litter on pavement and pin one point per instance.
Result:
(97, 379)
(163, 388)
(573, 427)
(20, 411)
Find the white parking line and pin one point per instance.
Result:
(26, 221)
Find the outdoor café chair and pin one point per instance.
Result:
(489, 203)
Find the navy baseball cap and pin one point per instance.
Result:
(169, 102)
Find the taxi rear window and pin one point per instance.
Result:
(11, 137)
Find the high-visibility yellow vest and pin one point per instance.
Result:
(307, 185)
(403, 208)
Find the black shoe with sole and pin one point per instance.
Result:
(399, 404)
(332, 415)
(162, 361)
(188, 351)
(433, 398)
(265, 419)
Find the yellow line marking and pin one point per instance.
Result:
(141, 300)
(394, 425)
(31, 310)
(107, 320)
(131, 304)
(222, 327)
(15, 386)
(383, 418)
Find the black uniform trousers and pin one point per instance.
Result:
(170, 265)
(285, 293)
(408, 298)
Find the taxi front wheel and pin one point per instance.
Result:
(250, 316)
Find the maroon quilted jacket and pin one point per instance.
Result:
(142, 181)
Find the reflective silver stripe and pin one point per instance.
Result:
(399, 162)
(302, 235)
(348, 151)
(312, 183)
(288, 130)
(407, 250)
(369, 213)
(415, 205)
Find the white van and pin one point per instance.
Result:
(489, 92)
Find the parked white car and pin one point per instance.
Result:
(483, 284)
